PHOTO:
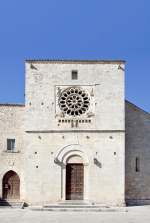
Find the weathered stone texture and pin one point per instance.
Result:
(104, 181)
(43, 134)
(137, 184)
(12, 127)
(106, 79)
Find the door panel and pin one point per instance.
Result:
(74, 181)
(13, 191)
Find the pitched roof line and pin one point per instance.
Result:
(137, 107)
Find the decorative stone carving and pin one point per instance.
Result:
(90, 114)
(58, 92)
(60, 114)
(74, 101)
(92, 92)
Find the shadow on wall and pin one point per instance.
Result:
(98, 163)
(57, 162)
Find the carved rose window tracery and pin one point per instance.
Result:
(74, 101)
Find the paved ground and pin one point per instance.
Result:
(138, 214)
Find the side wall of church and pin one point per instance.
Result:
(137, 182)
(12, 127)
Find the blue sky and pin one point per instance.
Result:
(75, 29)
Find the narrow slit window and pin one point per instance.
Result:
(11, 144)
(137, 164)
(74, 75)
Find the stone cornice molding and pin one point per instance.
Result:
(14, 105)
(75, 61)
(84, 130)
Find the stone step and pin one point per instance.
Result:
(68, 201)
(74, 202)
(74, 206)
(11, 203)
(9, 207)
(79, 209)
(13, 200)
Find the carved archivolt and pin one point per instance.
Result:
(74, 101)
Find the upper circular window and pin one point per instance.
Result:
(74, 101)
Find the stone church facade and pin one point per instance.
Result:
(76, 138)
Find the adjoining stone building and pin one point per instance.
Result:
(75, 138)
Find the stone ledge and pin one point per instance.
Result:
(74, 130)
(10, 151)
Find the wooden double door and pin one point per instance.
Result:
(11, 185)
(74, 181)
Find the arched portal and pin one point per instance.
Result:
(65, 156)
(11, 185)
(74, 178)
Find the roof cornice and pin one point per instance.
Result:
(14, 105)
(76, 61)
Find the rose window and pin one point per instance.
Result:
(74, 101)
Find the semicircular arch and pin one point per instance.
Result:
(75, 149)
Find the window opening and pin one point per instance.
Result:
(11, 144)
(74, 75)
(137, 164)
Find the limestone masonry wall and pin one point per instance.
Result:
(137, 183)
(100, 136)
(44, 133)
(104, 181)
(12, 127)
(43, 80)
